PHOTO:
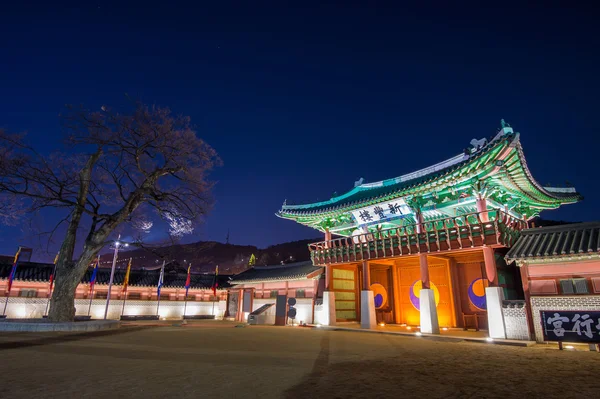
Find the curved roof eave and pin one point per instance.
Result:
(295, 211)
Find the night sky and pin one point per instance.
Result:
(302, 101)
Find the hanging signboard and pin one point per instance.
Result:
(381, 212)
(571, 326)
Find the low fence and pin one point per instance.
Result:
(29, 308)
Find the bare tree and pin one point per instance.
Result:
(119, 168)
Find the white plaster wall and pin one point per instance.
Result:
(319, 314)
(19, 307)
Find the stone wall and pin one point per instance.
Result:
(515, 320)
(25, 308)
(539, 303)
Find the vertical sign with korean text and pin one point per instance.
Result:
(571, 326)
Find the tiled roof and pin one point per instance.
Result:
(31, 271)
(291, 271)
(577, 239)
(359, 195)
(366, 193)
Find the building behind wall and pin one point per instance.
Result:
(30, 292)
(260, 286)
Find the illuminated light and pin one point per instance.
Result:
(382, 324)
(318, 326)
(418, 334)
(445, 329)
(569, 347)
(489, 339)
(408, 328)
(21, 312)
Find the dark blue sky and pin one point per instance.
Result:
(302, 101)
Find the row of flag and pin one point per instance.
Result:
(13, 272)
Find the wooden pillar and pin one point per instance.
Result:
(524, 269)
(328, 277)
(424, 271)
(419, 217)
(456, 291)
(366, 275)
(327, 238)
(481, 205)
(490, 266)
(396, 294)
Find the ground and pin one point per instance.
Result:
(213, 359)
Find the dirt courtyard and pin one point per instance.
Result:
(214, 359)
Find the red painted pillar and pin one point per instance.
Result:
(328, 272)
(524, 269)
(424, 271)
(481, 205)
(366, 275)
(419, 217)
(490, 266)
(327, 238)
(424, 265)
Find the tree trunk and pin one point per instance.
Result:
(62, 304)
(68, 277)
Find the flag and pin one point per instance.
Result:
(215, 282)
(52, 275)
(13, 271)
(188, 280)
(94, 273)
(160, 280)
(126, 279)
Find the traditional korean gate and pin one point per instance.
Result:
(344, 285)
(383, 293)
(409, 281)
(471, 284)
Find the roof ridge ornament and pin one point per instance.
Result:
(478, 144)
(504, 124)
(359, 182)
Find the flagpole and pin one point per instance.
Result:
(214, 288)
(125, 286)
(187, 288)
(112, 275)
(91, 297)
(52, 277)
(48, 303)
(160, 278)
(5, 304)
(124, 300)
(93, 283)
(10, 279)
